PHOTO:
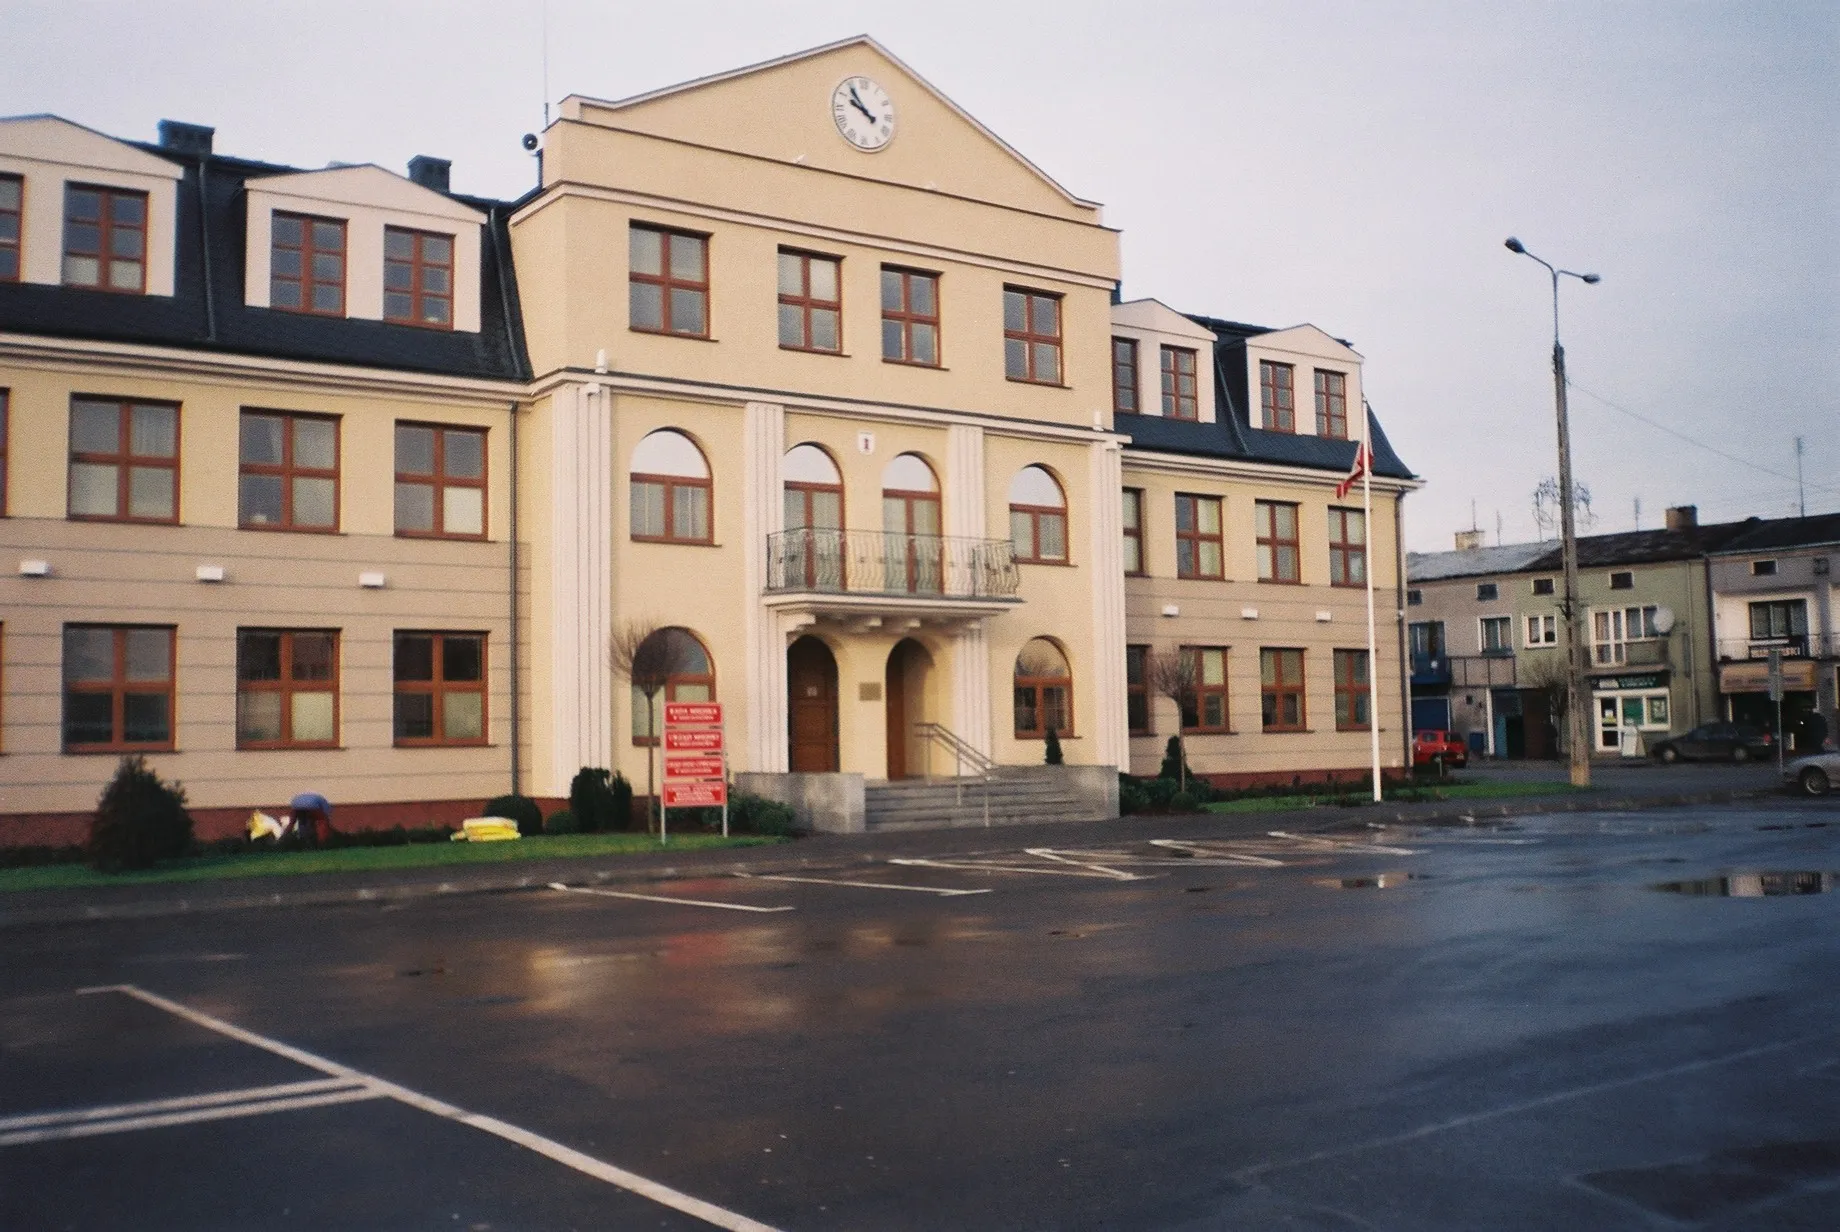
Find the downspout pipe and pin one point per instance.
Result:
(514, 670)
(204, 248)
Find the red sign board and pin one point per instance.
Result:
(695, 795)
(693, 768)
(693, 740)
(693, 714)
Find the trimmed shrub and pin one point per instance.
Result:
(139, 820)
(600, 800)
(562, 821)
(751, 814)
(1051, 749)
(521, 809)
(1131, 796)
(1183, 802)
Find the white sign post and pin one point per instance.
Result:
(695, 761)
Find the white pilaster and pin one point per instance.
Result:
(966, 502)
(1112, 741)
(971, 686)
(581, 516)
(965, 497)
(764, 445)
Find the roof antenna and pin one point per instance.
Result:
(1801, 497)
(1638, 513)
(546, 64)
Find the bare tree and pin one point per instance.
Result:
(646, 655)
(1545, 674)
(1172, 674)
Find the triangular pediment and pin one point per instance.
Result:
(1305, 339)
(782, 110)
(1154, 316)
(53, 139)
(368, 185)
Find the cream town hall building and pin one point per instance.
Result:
(338, 480)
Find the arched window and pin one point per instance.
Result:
(813, 552)
(677, 668)
(1038, 517)
(913, 554)
(670, 490)
(1044, 690)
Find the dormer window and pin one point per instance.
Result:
(12, 199)
(418, 278)
(306, 265)
(1331, 404)
(1277, 396)
(105, 238)
(1179, 398)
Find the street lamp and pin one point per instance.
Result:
(1577, 727)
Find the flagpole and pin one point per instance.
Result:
(1367, 520)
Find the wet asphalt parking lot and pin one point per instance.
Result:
(1589, 1020)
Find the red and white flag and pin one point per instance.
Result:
(1363, 459)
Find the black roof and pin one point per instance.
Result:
(1232, 434)
(211, 203)
(1772, 534)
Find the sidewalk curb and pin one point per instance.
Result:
(79, 906)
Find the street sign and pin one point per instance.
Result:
(693, 740)
(699, 780)
(693, 714)
(1776, 676)
(696, 795)
(676, 768)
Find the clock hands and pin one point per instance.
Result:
(856, 102)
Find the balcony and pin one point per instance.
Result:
(1430, 670)
(1648, 652)
(1793, 646)
(862, 573)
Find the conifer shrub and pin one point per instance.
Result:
(521, 809)
(139, 820)
(600, 800)
(1051, 749)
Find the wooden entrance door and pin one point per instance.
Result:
(811, 688)
(904, 694)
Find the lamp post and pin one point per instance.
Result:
(1577, 721)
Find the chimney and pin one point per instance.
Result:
(182, 138)
(1683, 517)
(430, 172)
(1470, 540)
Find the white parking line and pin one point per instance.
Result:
(1089, 867)
(182, 1110)
(1211, 854)
(861, 885)
(1336, 844)
(632, 1182)
(660, 898)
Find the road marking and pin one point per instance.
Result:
(632, 1182)
(1335, 844)
(1206, 854)
(999, 865)
(660, 898)
(861, 885)
(184, 1110)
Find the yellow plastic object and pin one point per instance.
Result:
(485, 830)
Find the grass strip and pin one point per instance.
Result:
(1448, 791)
(365, 859)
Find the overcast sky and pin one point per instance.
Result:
(1355, 165)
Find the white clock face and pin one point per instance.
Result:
(864, 113)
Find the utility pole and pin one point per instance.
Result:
(1801, 497)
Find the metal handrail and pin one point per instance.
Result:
(833, 561)
(963, 753)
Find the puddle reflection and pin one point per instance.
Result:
(1751, 885)
(1375, 881)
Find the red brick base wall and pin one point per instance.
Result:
(72, 829)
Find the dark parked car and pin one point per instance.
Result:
(1715, 742)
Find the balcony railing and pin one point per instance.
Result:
(1430, 669)
(870, 562)
(1794, 646)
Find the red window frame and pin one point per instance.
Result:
(288, 684)
(1278, 396)
(1033, 516)
(1035, 689)
(1354, 688)
(1179, 369)
(12, 228)
(422, 270)
(1137, 710)
(1344, 552)
(1195, 715)
(1027, 341)
(804, 303)
(288, 470)
(1196, 538)
(905, 318)
(1272, 543)
(308, 281)
(1281, 682)
(670, 284)
(1331, 404)
(702, 684)
(670, 484)
(107, 225)
(118, 687)
(439, 688)
(1132, 519)
(1124, 376)
(125, 461)
(439, 480)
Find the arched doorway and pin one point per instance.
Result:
(811, 699)
(904, 694)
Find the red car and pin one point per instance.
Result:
(1430, 744)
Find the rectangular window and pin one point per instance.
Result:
(1763, 568)
(1206, 708)
(1353, 692)
(118, 688)
(440, 694)
(1612, 631)
(289, 472)
(418, 277)
(440, 481)
(1032, 336)
(1427, 638)
(1779, 619)
(306, 264)
(668, 287)
(1198, 537)
(12, 214)
(1497, 635)
(287, 691)
(1277, 542)
(1179, 396)
(1622, 581)
(1414, 597)
(1542, 631)
(105, 238)
(910, 317)
(1347, 547)
(1281, 690)
(1331, 404)
(1542, 586)
(1487, 592)
(1137, 689)
(810, 303)
(1124, 376)
(1278, 396)
(124, 460)
(1134, 532)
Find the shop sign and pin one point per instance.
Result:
(1754, 677)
